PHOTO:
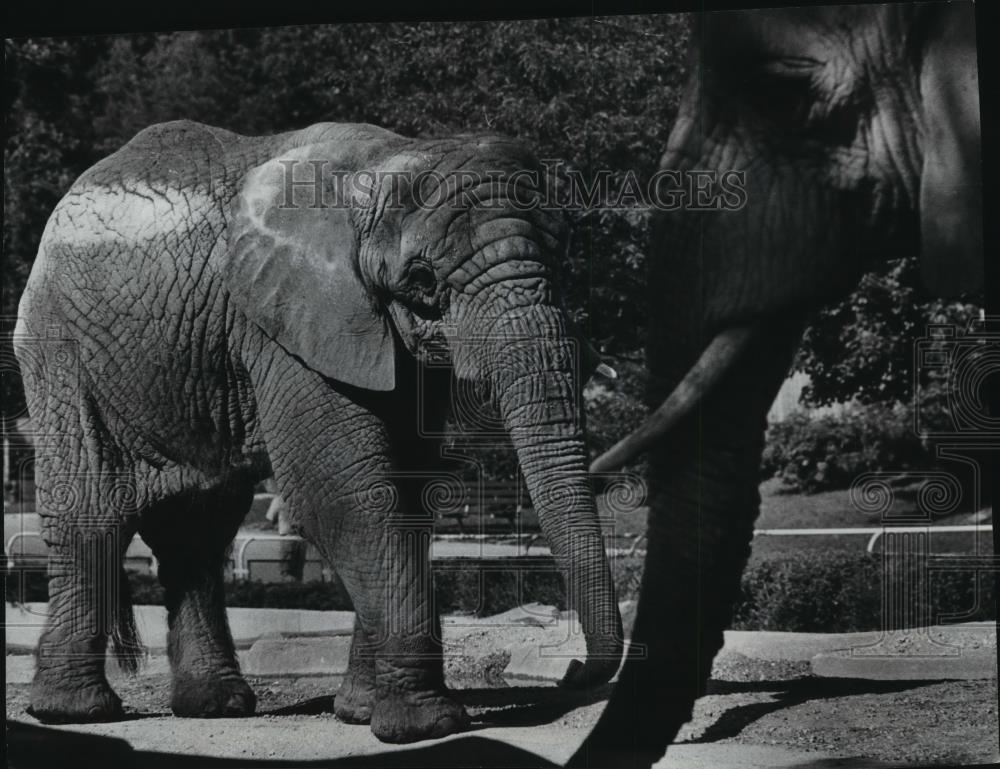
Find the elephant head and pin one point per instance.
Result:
(856, 131)
(358, 256)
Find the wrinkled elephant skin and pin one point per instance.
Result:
(208, 309)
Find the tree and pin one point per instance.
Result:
(863, 348)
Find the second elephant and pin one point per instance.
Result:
(856, 131)
(207, 309)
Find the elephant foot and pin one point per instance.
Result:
(410, 717)
(61, 700)
(212, 698)
(355, 700)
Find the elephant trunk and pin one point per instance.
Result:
(533, 369)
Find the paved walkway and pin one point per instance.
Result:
(289, 639)
(534, 726)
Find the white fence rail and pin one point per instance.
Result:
(875, 532)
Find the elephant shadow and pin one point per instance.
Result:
(788, 694)
(527, 705)
(490, 707)
(30, 746)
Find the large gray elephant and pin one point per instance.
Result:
(207, 309)
(857, 128)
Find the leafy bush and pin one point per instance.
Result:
(842, 592)
(828, 452)
(813, 453)
(862, 348)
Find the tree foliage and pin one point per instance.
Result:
(863, 348)
(592, 92)
(597, 94)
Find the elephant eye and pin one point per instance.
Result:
(421, 277)
(779, 91)
(796, 96)
(783, 100)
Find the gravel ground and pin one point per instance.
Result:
(750, 702)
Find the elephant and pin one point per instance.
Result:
(209, 309)
(857, 128)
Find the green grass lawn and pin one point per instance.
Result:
(825, 510)
(780, 509)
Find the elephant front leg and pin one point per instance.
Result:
(190, 542)
(356, 696)
(388, 576)
(412, 701)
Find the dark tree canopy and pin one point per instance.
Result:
(597, 94)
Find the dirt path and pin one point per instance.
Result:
(770, 705)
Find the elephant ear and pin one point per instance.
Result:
(951, 208)
(292, 267)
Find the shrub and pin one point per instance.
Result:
(828, 452)
(842, 592)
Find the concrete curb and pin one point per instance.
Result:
(24, 623)
(318, 656)
(542, 642)
(965, 652)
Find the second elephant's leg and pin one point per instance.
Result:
(694, 561)
(189, 536)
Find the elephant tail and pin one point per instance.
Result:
(126, 644)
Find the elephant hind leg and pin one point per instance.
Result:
(88, 603)
(89, 508)
(189, 535)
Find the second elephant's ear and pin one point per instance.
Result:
(292, 267)
(951, 216)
